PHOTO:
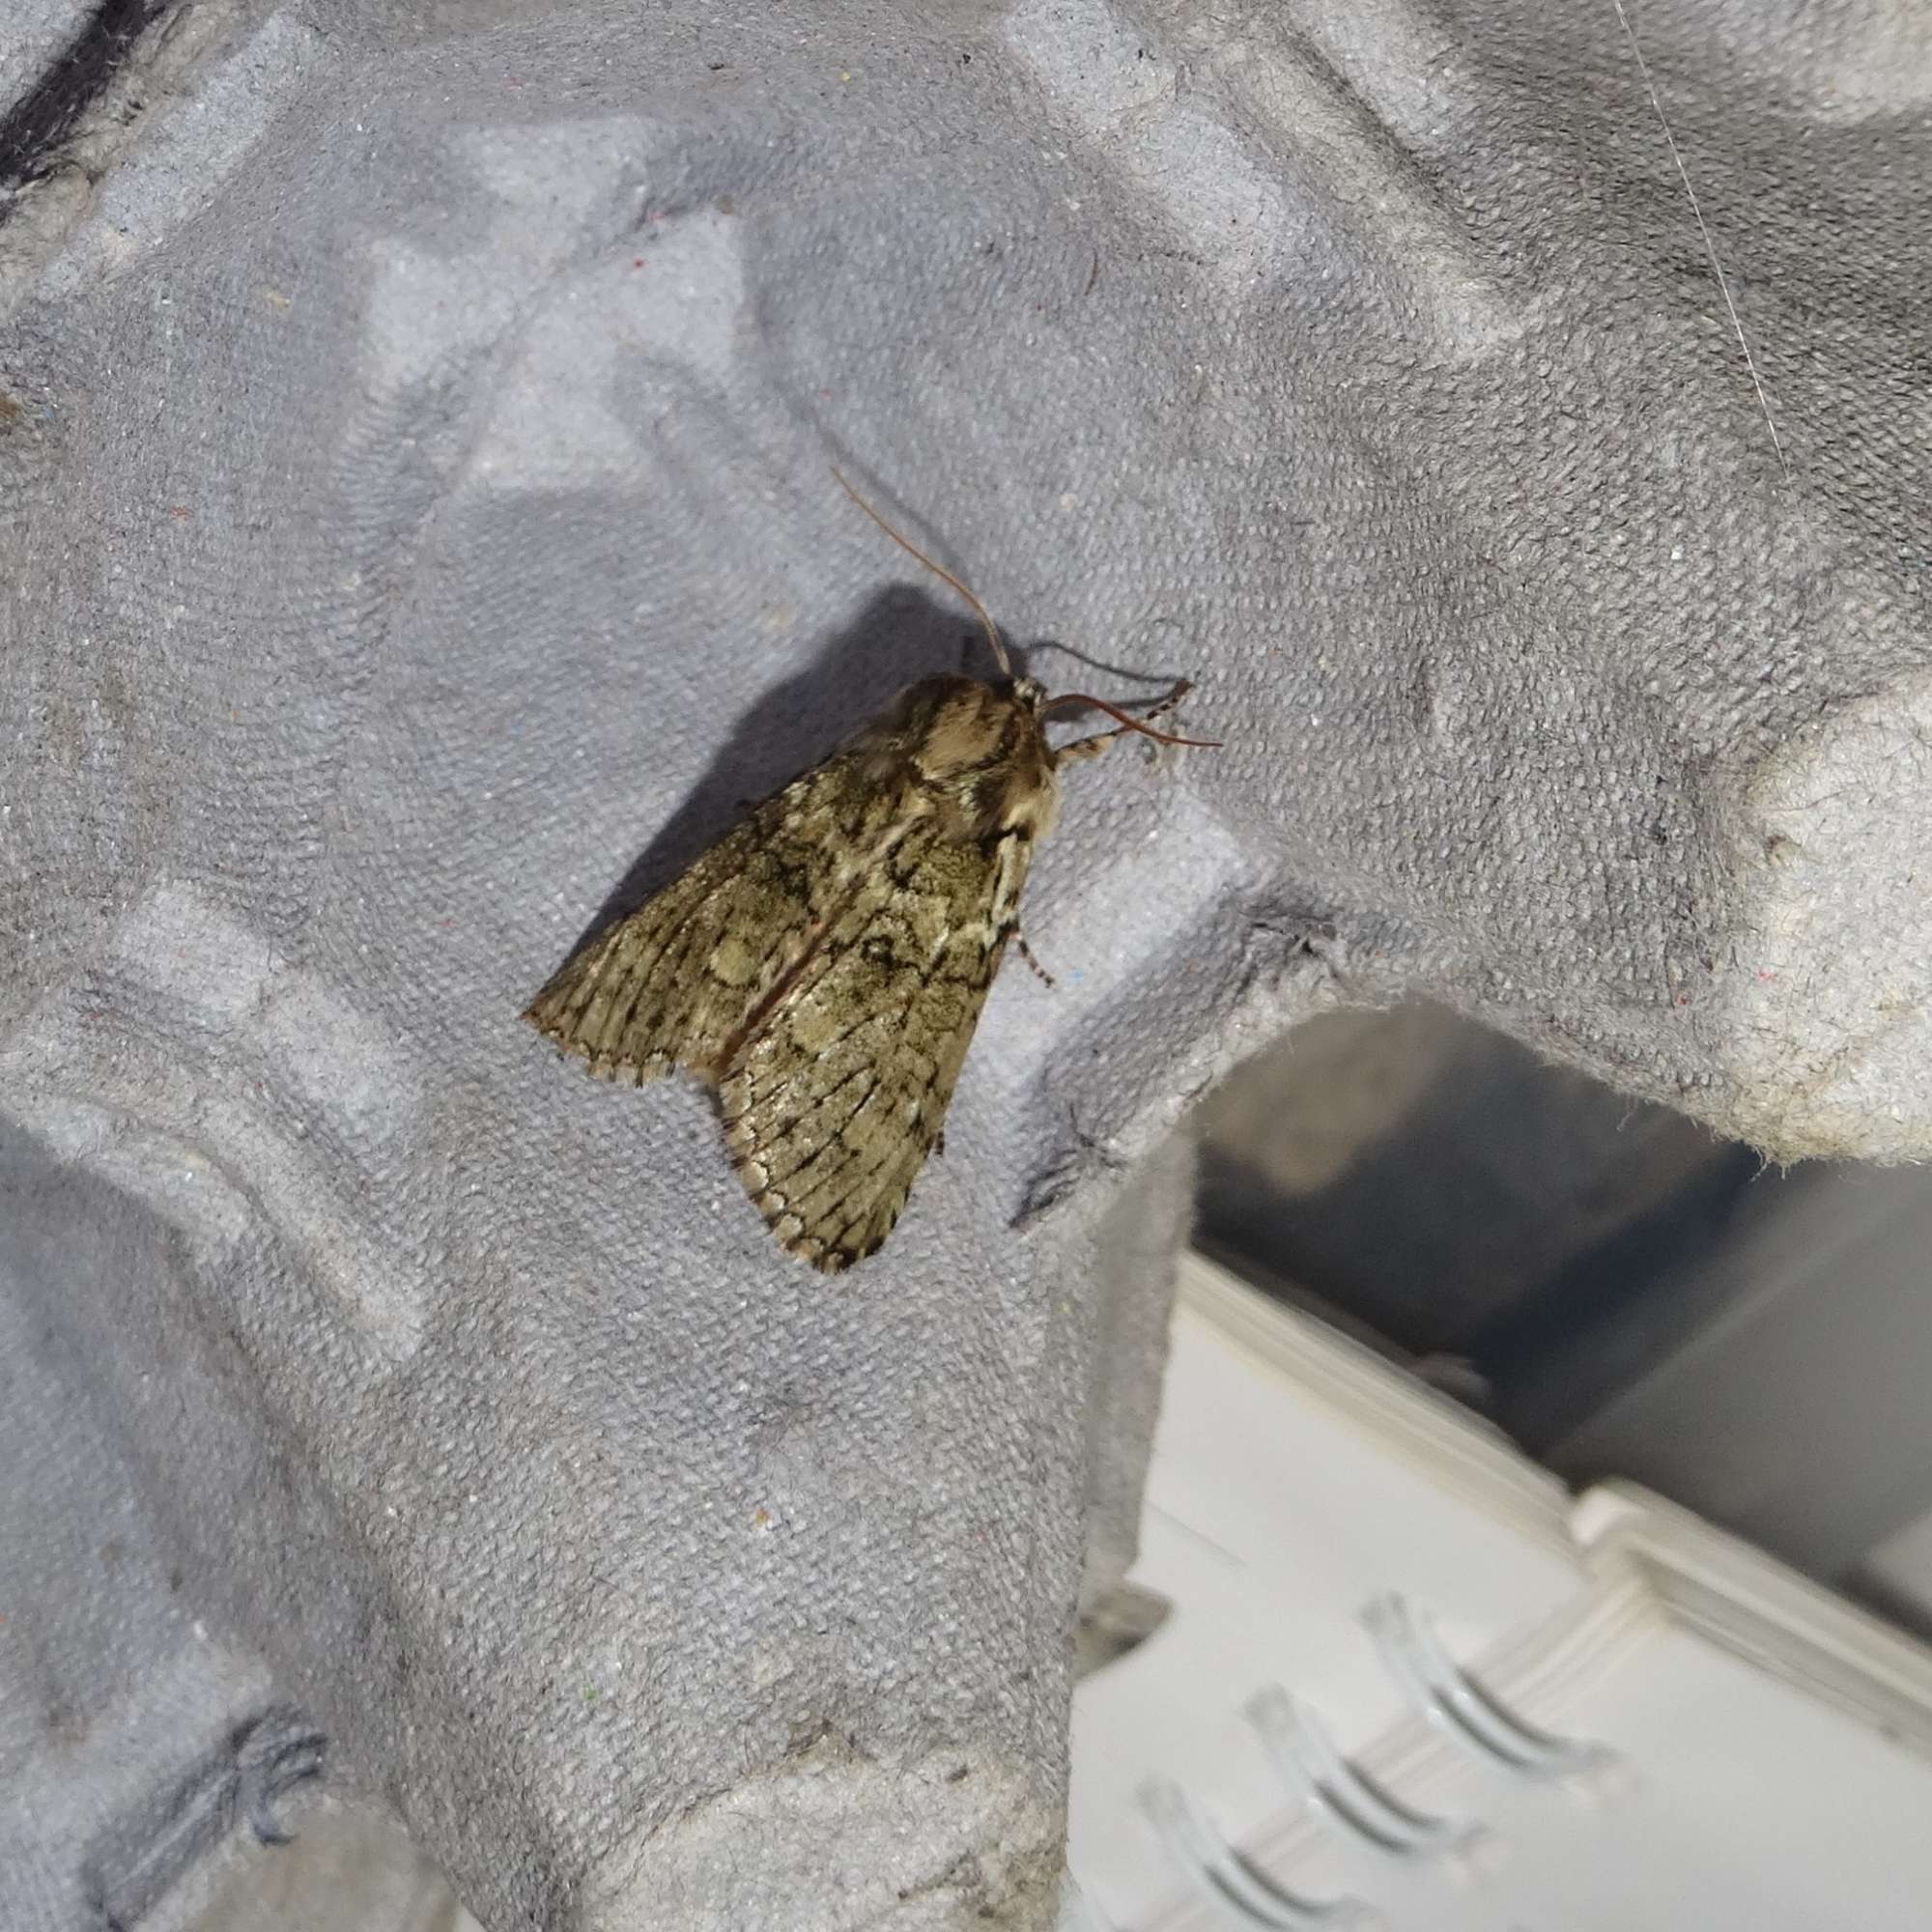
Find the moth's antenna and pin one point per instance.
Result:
(1127, 723)
(1703, 229)
(938, 570)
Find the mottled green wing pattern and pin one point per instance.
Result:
(825, 963)
(833, 1102)
(680, 981)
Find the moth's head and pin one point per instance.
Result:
(977, 751)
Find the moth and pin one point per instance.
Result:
(823, 966)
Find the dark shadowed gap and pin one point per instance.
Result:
(1517, 1229)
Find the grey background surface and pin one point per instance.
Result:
(415, 481)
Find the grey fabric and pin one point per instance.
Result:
(417, 505)
(33, 34)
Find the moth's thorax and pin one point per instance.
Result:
(977, 751)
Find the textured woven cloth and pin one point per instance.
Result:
(415, 511)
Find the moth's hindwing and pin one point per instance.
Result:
(833, 1105)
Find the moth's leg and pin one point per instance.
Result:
(1092, 748)
(1025, 953)
(1168, 702)
(1086, 747)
